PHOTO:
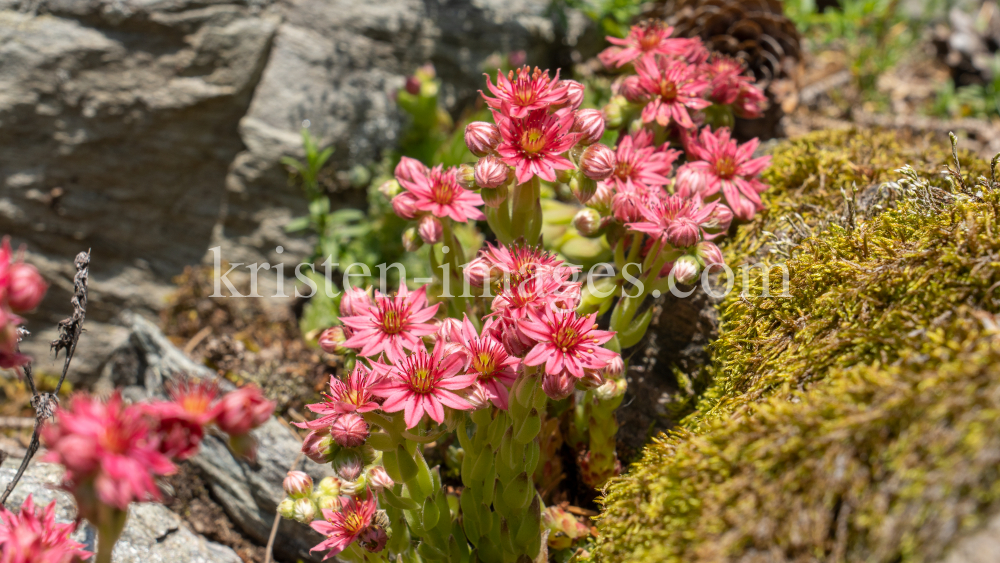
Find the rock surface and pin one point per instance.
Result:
(153, 534)
(151, 130)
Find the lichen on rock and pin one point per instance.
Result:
(855, 419)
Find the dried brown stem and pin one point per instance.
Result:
(69, 335)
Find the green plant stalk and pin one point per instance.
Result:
(526, 209)
(602, 459)
(109, 529)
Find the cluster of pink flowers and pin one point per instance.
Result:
(21, 290)
(676, 76)
(113, 451)
(34, 537)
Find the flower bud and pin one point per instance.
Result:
(491, 172)
(373, 538)
(412, 85)
(430, 229)
(685, 270)
(297, 484)
(592, 379)
(355, 301)
(583, 188)
(690, 182)
(479, 272)
(390, 189)
(477, 397)
(331, 503)
(574, 95)
(240, 411)
(683, 232)
(563, 527)
(720, 219)
(348, 465)
(332, 339)
(319, 446)
(481, 137)
(411, 240)
(590, 124)
(631, 89)
(613, 115)
(588, 222)
(349, 430)
(379, 479)
(598, 162)
(558, 386)
(466, 176)
(286, 508)
(494, 197)
(710, 255)
(613, 387)
(405, 205)
(615, 367)
(26, 288)
(409, 169)
(328, 487)
(304, 510)
(602, 198)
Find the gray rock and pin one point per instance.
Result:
(153, 534)
(151, 130)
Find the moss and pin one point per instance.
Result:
(856, 418)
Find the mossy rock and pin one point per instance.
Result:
(858, 418)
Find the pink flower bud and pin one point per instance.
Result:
(477, 397)
(373, 538)
(412, 85)
(598, 162)
(481, 137)
(683, 232)
(409, 169)
(631, 89)
(558, 386)
(318, 446)
(690, 182)
(720, 219)
(590, 124)
(332, 339)
(379, 479)
(348, 465)
(574, 95)
(430, 229)
(405, 205)
(411, 240)
(601, 200)
(710, 255)
(588, 222)
(240, 411)
(491, 172)
(615, 367)
(349, 430)
(479, 272)
(583, 188)
(592, 379)
(26, 287)
(355, 301)
(297, 484)
(494, 197)
(685, 270)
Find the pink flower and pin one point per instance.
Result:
(534, 145)
(516, 263)
(178, 434)
(392, 324)
(354, 301)
(638, 160)
(354, 395)
(490, 362)
(630, 199)
(524, 92)
(566, 342)
(108, 452)
(644, 40)
(34, 537)
(674, 88)
(437, 191)
(240, 411)
(723, 165)
(26, 288)
(730, 86)
(424, 383)
(343, 527)
(678, 221)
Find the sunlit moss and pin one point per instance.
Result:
(856, 418)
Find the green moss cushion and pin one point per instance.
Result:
(859, 417)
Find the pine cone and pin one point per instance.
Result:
(756, 31)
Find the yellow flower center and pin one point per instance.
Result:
(725, 167)
(532, 141)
